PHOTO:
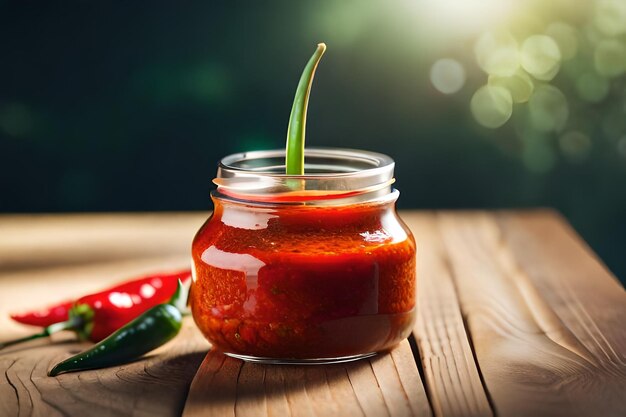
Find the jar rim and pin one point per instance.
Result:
(331, 174)
(378, 162)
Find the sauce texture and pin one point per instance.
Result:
(302, 281)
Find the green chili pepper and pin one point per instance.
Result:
(150, 330)
(294, 161)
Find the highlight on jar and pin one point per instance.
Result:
(304, 258)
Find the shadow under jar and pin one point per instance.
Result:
(315, 268)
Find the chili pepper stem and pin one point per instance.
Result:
(70, 324)
(294, 156)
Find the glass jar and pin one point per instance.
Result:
(316, 268)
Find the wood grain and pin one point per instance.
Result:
(532, 362)
(386, 385)
(583, 295)
(154, 386)
(582, 292)
(29, 242)
(452, 377)
(48, 258)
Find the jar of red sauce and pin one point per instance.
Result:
(316, 268)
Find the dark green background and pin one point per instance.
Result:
(128, 106)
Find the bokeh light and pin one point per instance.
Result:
(492, 106)
(614, 123)
(497, 53)
(548, 76)
(610, 17)
(592, 35)
(592, 87)
(548, 109)
(609, 58)
(447, 75)
(519, 85)
(540, 57)
(566, 38)
(575, 145)
(562, 65)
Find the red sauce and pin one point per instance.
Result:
(303, 281)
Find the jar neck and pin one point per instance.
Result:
(310, 199)
(334, 177)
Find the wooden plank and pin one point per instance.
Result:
(28, 242)
(386, 385)
(48, 258)
(532, 362)
(544, 316)
(452, 378)
(154, 386)
(250, 378)
(582, 294)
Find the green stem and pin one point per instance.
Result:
(70, 324)
(294, 161)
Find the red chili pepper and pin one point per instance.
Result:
(110, 309)
(46, 316)
(95, 316)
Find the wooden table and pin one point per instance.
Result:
(516, 317)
